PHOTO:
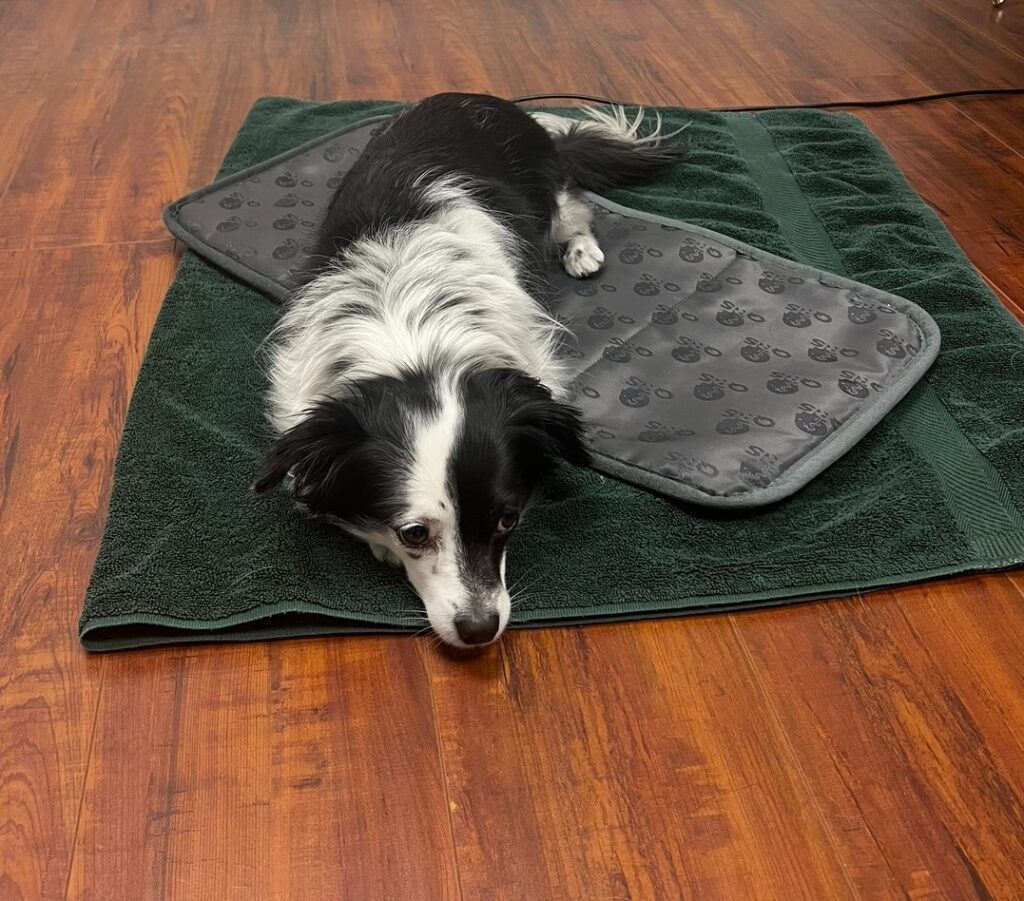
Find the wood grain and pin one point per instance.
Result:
(867, 748)
(271, 757)
(73, 332)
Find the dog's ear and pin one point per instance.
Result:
(314, 450)
(544, 424)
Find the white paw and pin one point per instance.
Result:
(385, 555)
(582, 256)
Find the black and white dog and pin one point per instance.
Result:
(414, 381)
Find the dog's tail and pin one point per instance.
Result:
(606, 149)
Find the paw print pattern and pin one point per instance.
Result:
(797, 316)
(238, 251)
(736, 422)
(570, 351)
(732, 315)
(690, 350)
(634, 253)
(823, 352)
(783, 383)
(755, 351)
(600, 434)
(860, 311)
(667, 315)
(623, 229)
(335, 179)
(711, 387)
(287, 200)
(232, 223)
(708, 284)
(810, 419)
(758, 468)
(289, 221)
(236, 200)
(576, 388)
(771, 283)
(694, 251)
(335, 153)
(856, 385)
(649, 286)
(287, 249)
(591, 288)
(656, 431)
(637, 392)
(286, 180)
(602, 318)
(621, 351)
(892, 345)
(685, 468)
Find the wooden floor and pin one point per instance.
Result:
(871, 747)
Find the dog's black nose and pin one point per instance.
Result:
(476, 628)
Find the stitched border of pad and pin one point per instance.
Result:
(790, 481)
(225, 262)
(823, 455)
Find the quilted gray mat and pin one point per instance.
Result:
(708, 371)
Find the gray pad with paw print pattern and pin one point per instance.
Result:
(707, 370)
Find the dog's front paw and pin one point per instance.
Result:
(385, 555)
(582, 256)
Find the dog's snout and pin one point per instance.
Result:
(476, 628)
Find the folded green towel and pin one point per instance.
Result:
(190, 554)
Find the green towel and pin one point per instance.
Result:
(190, 554)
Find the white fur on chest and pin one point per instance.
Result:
(383, 310)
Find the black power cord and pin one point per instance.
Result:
(831, 104)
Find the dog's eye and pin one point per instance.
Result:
(413, 535)
(508, 522)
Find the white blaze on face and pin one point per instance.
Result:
(434, 570)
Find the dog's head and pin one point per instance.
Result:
(434, 473)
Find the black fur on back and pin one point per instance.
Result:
(513, 166)
(507, 158)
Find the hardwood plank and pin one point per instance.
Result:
(245, 771)
(889, 723)
(620, 762)
(1004, 25)
(129, 156)
(604, 761)
(28, 57)
(918, 37)
(71, 339)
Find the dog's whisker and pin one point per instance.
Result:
(523, 585)
(526, 574)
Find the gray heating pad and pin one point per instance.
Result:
(707, 370)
